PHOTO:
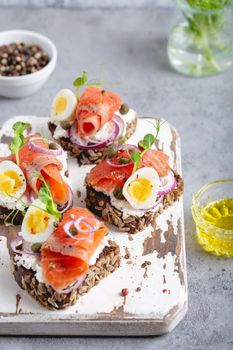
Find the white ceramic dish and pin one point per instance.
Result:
(17, 87)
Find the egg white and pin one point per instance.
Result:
(153, 177)
(8, 165)
(39, 237)
(66, 114)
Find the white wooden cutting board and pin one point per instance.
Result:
(157, 298)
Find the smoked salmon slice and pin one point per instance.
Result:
(106, 177)
(48, 165)
(65, 259)
(95, 108)
(157, 160)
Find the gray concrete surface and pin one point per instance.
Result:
(131, 44)
(86, 3)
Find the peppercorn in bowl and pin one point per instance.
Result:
(27, 59)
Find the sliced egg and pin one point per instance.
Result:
(63, 106)
(37, 224)
(12, 182)
(141, 188)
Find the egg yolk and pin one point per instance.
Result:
(10, 182)
(37, 221)
(140, 189)
(60, 105)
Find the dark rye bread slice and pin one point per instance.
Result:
(5, 212)
(89, 156)
(100, 204)
(108, 261)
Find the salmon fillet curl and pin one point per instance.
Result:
(65, 259)
(95, 108)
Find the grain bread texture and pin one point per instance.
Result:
(89, 156)
(100, 204)
(107, 262)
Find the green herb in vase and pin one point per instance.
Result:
(202, 44)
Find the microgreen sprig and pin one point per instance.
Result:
(82, 81)
(18, 140)
(45, 197)
(146, 143)
(13, 213)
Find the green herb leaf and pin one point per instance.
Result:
(46, 198)
(148, 141)
(80, 81)
(136, 158)
(205, 5)
(18, 140)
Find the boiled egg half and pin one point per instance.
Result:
(37, 224)
(63, 106)
(141, 188)
(12, 182)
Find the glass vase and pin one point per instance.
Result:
(202, 44)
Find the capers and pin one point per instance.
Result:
(112, 150)
(123, 160)
(65, 125)
(53, 145)
(73, 231)
(36, 247)
(118, 193)
(124, 109)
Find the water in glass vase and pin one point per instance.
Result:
(203, 44)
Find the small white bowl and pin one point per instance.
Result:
(25, 85)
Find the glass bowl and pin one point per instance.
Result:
(212, 208)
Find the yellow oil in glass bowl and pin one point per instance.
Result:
(212, 209)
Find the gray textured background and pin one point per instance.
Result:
(131, 43)
(87, 3)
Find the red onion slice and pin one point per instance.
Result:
(159, 201)
(168, 183)
(76, 285)
(116, 133)
(18, 241)
(83, 219)
(117, 119)
(108, 160)
(29, 251)
(68, 225)
(34, 147)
